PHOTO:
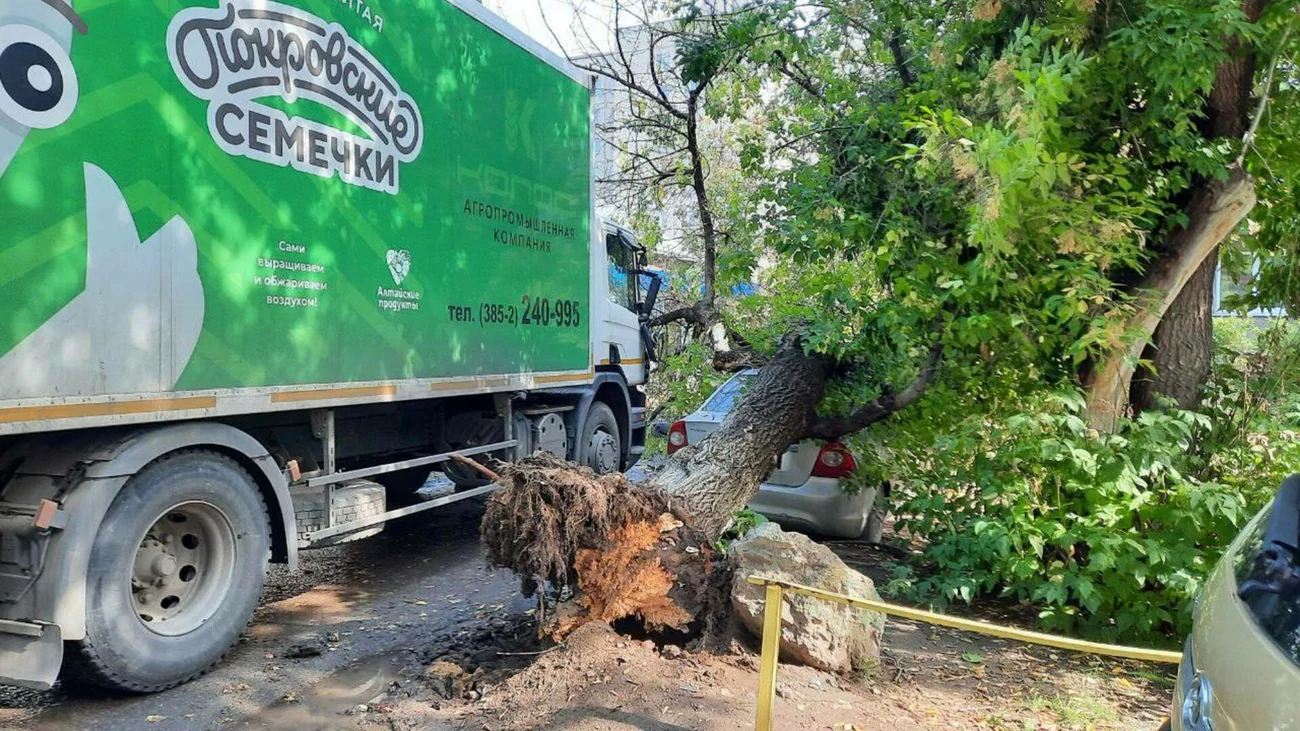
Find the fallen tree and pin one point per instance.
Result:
(648, 550)
(1021, 216)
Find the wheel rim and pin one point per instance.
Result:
(602, 452)
(183, 569)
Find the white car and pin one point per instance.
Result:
(804, 489)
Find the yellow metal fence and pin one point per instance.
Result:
(777, 589)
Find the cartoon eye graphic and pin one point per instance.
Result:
(38, 85)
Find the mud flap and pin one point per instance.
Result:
(31, 661)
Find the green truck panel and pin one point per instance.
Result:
(222, 194)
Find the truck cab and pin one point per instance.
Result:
(626, 292)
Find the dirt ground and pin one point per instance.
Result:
(600, 680)
(438, 641)
(929, 678)
(502, 677)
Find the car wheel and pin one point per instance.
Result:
(875, 529)
(599, 446)
(175, 574)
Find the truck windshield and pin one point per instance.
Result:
(1268, 582)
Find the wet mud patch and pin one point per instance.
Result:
(466, 665)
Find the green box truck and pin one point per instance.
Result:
(265, 266)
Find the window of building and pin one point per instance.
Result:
(1229, 286)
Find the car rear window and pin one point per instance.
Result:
(722, 400)
(1274, 602)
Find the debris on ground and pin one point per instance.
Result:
(303, 650)
(600, 680)
(447, 679)
(817, 633)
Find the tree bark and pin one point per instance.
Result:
(1215, 210)
(1181, 349)
(712, 480)
(708, 231)
(1182, 346)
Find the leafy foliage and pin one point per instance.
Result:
(996, 175)
(742, 523)
(1110, 535)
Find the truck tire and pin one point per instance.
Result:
(464, 477)
(175, 574)
(599, 446)
(404, 484)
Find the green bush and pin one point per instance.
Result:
(1107, 535)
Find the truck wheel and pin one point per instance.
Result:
(175, 574)
(405, 483)
(599, 446)
(465, 478)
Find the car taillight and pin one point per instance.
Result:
(834, 461)
(676, 436)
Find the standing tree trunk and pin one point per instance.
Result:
(1214, 212)
(699, 186)
(1182, 347)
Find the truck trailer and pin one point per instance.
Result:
(264, 265)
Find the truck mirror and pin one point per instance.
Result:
(651, 295)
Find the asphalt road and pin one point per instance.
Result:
(371, 608)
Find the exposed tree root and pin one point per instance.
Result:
(622, 546)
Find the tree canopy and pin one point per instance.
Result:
(979, 213)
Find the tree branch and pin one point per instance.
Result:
(1249, 140)
(900, 58)
(690, 314)
(801, 80)
(880, 407)
(472, 464)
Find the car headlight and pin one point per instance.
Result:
(1197, 705)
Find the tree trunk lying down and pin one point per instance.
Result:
(712, 480)
(647, 550)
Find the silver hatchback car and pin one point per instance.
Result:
(804, 488)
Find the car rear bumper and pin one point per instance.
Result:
(819, 504)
